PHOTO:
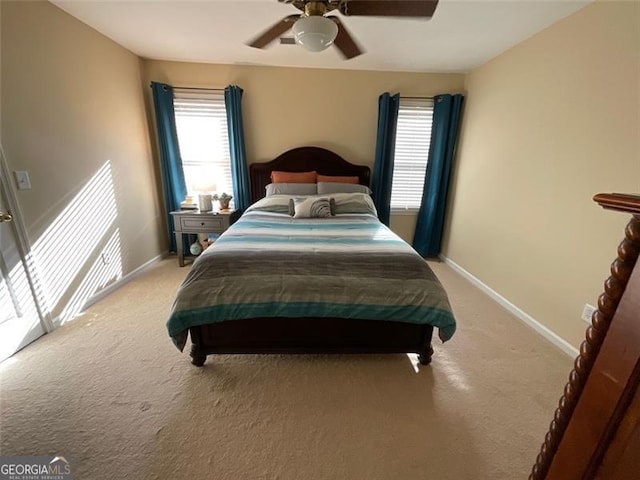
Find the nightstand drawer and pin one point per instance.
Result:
(207, 225)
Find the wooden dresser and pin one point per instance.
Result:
(595, 432)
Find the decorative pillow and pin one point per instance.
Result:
(331, 187)
(338, 179)
(293, 177)
(291, 189)
(292, 208)
(310, 207)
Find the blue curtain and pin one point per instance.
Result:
(444, 134)
(239, 172)
(382, 177)
(170, 162)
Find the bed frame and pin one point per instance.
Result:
(308, 335)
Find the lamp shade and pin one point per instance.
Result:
(203, 182)
(315, 33)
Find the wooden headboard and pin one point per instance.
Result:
(303, 159)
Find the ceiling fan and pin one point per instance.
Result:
(315, 31)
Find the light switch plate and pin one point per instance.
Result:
(22, 180)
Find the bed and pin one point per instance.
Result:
(277, 284)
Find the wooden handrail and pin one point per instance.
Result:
(614, 288)
(622, 202)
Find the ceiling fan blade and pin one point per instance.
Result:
(274, 32)
(345, 42)
(389, 8)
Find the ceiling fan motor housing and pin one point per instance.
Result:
(312, 9)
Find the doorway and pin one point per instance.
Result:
(21, 319)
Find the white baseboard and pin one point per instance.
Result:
(562, 344)
(117, 284)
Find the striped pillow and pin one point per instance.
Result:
(311, 207)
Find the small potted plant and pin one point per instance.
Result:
(224, 199)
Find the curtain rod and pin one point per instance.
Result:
(194, 88)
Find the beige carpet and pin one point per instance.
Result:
(110, 391)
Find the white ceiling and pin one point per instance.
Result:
(462, 34)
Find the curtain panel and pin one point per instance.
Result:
(239, 170)
(444, 135)
(173, 184)
(382, 178)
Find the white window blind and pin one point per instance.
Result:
(413, 137)
(201, 124)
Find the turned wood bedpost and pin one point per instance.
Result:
(614, 288)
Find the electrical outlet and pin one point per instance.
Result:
(587, 312)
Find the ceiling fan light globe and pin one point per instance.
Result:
(315, 33)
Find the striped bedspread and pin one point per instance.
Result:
(269, 264)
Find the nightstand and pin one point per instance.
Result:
(195, 221)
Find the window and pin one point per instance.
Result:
(201, 124)
(413, 137)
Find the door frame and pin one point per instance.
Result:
(22, 242)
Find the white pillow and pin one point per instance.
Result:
(357, 203)
(291, 189)
(334, 187)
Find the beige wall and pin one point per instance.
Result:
(75, 104)
(547, 125)
(285, 108)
